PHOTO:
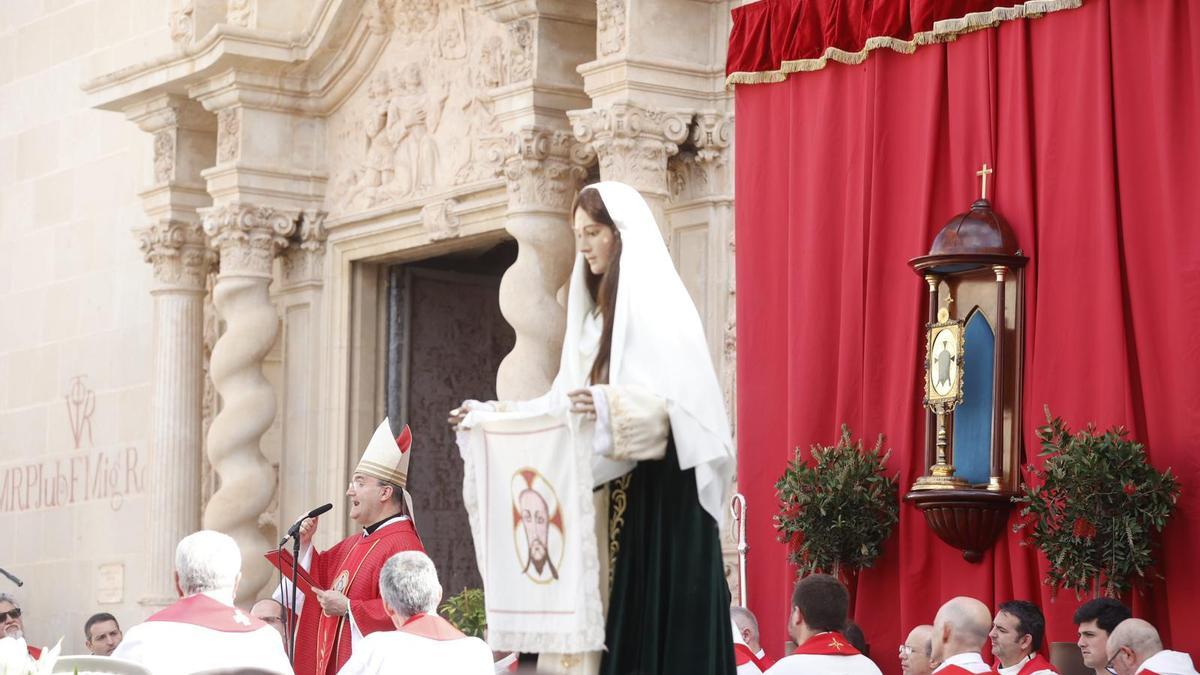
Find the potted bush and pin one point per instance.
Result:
(836, 512)
(1094, 509)
(466, 611)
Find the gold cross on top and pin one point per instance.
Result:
(983, 174)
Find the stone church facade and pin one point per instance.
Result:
(345, 209)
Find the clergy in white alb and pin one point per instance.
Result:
(423, 642)
(959, 631)
(203, 630)
(1135, 648)
(819, 610)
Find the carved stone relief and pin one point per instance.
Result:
(164, 156)
(440, 220)
(422, 122)
(610, 26)
(240, 13)
(306, 256)
(228, 131)
(183, 22)
(378, 14)
(520, 65)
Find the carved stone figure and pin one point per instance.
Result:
(378, 167)
(452, 35)
(491, 67)
(610, 26)
(412, 117)
(520, 64)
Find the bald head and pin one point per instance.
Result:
(1139, 636)
(921, 639)
(747, 625)
(914, 655)
(961, 627)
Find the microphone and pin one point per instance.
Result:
(11, 578)
(294, 530)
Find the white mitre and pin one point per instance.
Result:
(386, 458)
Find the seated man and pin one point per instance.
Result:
(423, 642)
(204, 630)
(748, 649)
(959, 631)
(103, 634)
(1017, 634)
(819, 606)
(12, 625)
(1134, 647)
(916, 650)
(1096, 620)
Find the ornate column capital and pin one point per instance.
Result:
(633, 142)
(543, 168)
(306, 254)
(178, 253)
(248, 237)
(702, 171)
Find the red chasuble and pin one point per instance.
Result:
(35, 652)
(351, 567)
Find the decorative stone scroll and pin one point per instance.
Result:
(306, 255)
(178, 253)
(228, 134)
(439, 220)
(610, 26)
(633, 143)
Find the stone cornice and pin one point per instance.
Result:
(337, 51)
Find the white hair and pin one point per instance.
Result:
(5, 597)
(409, 584)
(207, 561)
(744, 618)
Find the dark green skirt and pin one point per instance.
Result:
(668, 611)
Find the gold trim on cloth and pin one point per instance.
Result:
(619, 501)
(382, 472)
(945, 30)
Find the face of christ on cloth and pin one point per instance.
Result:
(538, 520)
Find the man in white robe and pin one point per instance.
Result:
(959, 631)
(819, 607)
(1134, 648)
(423, 642)
(203, 630)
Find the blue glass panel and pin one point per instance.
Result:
(973, 417)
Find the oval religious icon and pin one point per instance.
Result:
(943, 364)
(537, 526)
(339, 584)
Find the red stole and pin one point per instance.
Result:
(1038, 662)
(352, 567)
(832, 643)
(35, 652)
(431, 626)
(743, 655)
(955, 670)
(201, 610)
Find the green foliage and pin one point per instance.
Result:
(466, 611)
(837, 514)
(1094, 507)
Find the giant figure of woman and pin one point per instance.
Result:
(635, 360)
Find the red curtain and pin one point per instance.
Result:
(1089, 118)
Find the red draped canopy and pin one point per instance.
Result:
(843, 174)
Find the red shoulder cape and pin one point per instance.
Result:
(431, 626)
(201, 610)
(832, 643)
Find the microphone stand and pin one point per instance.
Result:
(295, 563)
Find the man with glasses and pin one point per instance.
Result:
(1096, 620)
(916, 651)
(347, 576)
(1134, 647)
(12, 625)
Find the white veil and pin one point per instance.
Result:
(657, 343)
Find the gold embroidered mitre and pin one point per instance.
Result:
(386, 458)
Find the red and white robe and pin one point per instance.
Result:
(969, 663)
(1034, 664)
(827, 653)
(201, 632)
(426, 644)
(324, 643)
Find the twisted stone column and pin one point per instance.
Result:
(181, 261)
(247, 238)
(542, 177)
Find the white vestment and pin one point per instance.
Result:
(178, 648)
(386, 652)
(969, 661)
(1168, 662)
(1016, 668)
(824, 664)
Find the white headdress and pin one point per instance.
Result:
(657, 343)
